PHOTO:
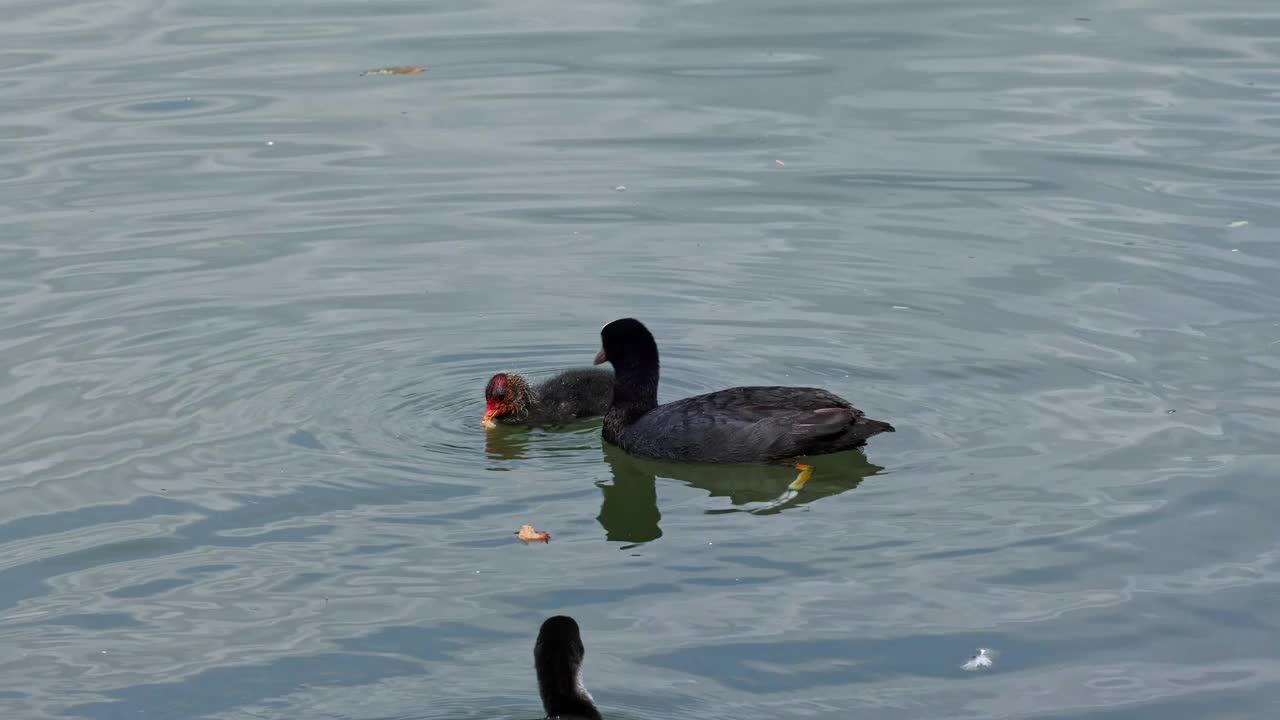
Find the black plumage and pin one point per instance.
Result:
(557, 657)
(737, 425)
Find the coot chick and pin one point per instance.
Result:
(563, 398)
(738, 425)
(558, 658)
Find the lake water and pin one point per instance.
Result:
(251, 296)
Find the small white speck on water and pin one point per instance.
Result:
(1238, 223)
(1235, 249)
(983, 659)
(780, 162)
(620, 188)
(271, 142)
(901, 307)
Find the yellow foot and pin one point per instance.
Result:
(806, 472)
(792, 491)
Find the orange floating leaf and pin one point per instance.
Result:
(527, 535)
(397, 70)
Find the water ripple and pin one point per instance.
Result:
(251, 298)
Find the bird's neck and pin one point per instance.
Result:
(634, 394)
(563, 695)
(525, 398)
(636, 388)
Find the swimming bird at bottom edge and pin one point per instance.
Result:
(557, 656)
(761, 424)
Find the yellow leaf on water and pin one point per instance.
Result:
(527, 535)
(397, 70)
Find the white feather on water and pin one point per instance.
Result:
(984, 659)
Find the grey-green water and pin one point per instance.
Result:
(250, 299)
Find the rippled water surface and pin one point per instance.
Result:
(250, 298)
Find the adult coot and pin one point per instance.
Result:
(738, 425)
(573, 394)
(558, 658)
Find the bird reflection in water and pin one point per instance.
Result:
(629, 509)
(507, 444)
(520, 443)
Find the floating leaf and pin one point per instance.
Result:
(397, 70)
(527, 535)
